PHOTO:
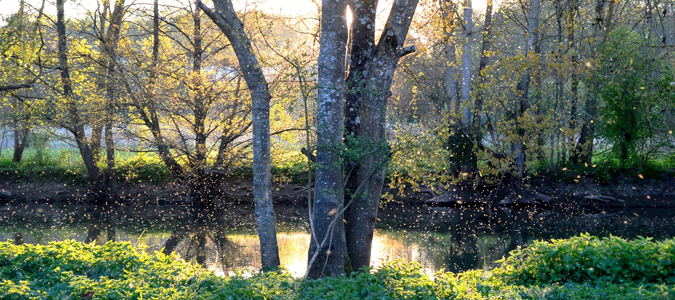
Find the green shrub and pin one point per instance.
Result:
(142, 167)
(291, 167)
(591, 259)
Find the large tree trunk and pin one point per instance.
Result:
(522, 89)
(361, 53)
(226, 19)
(328, 250)
(76, 127)
(374, 149)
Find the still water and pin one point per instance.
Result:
(451, 239)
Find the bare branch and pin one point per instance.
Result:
(407, 50)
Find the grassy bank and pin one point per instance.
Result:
(563, 269)
(65, 165)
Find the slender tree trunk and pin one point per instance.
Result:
(371, 135)
(21, 131)
(465, 119)
(97, 125)
(199, 185)
(226, 19)
(149, 113)
(2, 140)
(449, 73)
(574, 89)
(585, 143)
(450, 82)
(522, 102)
(111, 42)
(461, 141)
(96, 137)
(483, 79)
(76, 126)
(559, 107)
(147, 110)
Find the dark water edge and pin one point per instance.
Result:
(440, 238)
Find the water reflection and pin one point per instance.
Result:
(453, 239)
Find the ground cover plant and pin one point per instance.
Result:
(591, 259)
(73, 270)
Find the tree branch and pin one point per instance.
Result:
(407, 50)
(30, 84)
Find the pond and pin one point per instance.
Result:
(451, 239)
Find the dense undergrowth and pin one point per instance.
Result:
(72, 270)
(65, 165)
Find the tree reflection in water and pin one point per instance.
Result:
(479, 236)
(197, 235)
(102, 218)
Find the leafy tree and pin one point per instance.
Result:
(22, 65)
(635, 90)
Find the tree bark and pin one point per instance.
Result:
(374, 148)
(96, 137)
(225, 17)
(360, 54)
(327, 249)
